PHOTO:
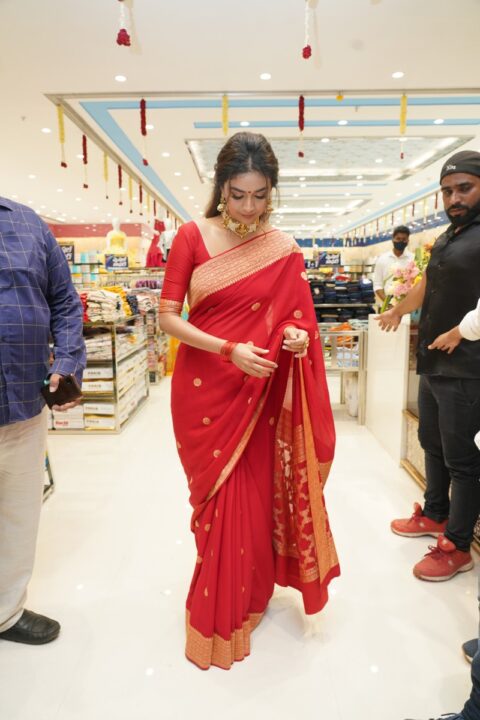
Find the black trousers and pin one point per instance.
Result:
(449, 414)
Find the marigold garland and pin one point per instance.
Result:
(61, 135)
(85, 161)
(143, 128)
(225, 110)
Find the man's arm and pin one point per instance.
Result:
(468, 329)
(66, 313)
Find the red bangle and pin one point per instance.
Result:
(227, 349)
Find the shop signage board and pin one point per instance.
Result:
(68, 251)
(116, 262)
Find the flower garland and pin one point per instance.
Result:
(225, 110)
(307, 48)
(301, 123)
(120, 184)
(61, 135)
(143, 128)
(85, 162)
(123, 36)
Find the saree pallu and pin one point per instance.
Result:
(256, 451)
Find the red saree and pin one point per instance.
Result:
(256, 452)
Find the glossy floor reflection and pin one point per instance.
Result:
(115, 558)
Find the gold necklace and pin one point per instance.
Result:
(239, 228)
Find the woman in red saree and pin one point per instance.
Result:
(251, 411)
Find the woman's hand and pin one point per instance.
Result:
(248, 358)
(296, 341)
(389, 320)
(447, 341)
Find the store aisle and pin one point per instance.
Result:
(114, 561)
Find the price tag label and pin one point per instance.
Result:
(116, 262)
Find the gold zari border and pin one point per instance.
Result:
(247, 259)
(170, 306)
(207, 651)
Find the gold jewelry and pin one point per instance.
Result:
(222, 204)
(239, 228)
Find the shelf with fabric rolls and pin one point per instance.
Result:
(116, 380)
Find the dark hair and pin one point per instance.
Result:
(401, 229)
(244, 152)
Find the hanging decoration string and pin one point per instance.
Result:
(61, 135)
(140, 197)
(403, 120)
(154, 208)
(105, 173)
(123, 37)
(435, 205)
(85, 162)
(143, 128)
(413, 210)
(301, 123)
(307, 48)
(225, 110)
(130, 193)
(120, 184)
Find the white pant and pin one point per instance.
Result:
(22, 473)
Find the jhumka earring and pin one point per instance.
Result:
(222, 204)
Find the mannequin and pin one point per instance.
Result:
(166, 238)
(116, 240)
(155, 255)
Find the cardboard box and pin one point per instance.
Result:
(93, 408)
(98, 373)
(60, 423)
(99, 422)
(97, 386)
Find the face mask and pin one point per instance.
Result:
(400, 246)
(466, 218)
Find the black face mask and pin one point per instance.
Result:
(466, 218)
(400, 246)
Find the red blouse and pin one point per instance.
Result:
(188, 251)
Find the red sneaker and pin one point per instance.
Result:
(443, 562)
(418, 525)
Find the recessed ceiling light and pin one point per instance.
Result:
(397, 75)
(80, 157)
(347, 194)
(191, 197)
(438, 121)
(359, 184)
(30, 202)
(379, 160)
(109, 214)
(145, 207)
(398, 194)
(325, 140)
(150, 127)
(296, 195)
(302, 178)
(417, 184)
(165, 154)
(343, 122)
(359, 177)
(312, 162)
(201, 212)
(185, 187)
(197, 206)
(46, 131)
(265, 76)
(177, 174)
(245, 123)
(303, 185)
(32, 177)
(120, 78)
(285, 206)
(95, 207)
(327, 204)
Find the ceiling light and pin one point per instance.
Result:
(303, 185)
(285, 206)
(295, 195)
(312, 162)
(359, 184)
(398, 75)
(325, 140)
(185, 187)
(245, 123)
(343, 122)
(417, 184)
(201, 212)
(80, 157)
(197, 206)
(402, 139)
(95, 207)
(438, 121)
(78, 199)
(302, 178)
(46, 131)
(165, 154)
(379, 160)
(145, 207)
(265, 76)
(120, 78)
(177, 174)
(191, 197)
(59, 189)
(32, 177)
(347, 194)
(359, 177)
(30, 202)
(150, 127)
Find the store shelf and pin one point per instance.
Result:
(342, 305)
(121, 358)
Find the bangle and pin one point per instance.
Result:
(227, 349)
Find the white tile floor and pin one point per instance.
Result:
(115, 557)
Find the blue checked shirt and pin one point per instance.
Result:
(37, 299)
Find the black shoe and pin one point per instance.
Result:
(32, 629)
(469, 649)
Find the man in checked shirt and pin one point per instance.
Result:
(37, 299)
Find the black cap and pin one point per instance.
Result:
(467, 161)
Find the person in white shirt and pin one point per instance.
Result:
(398, 256)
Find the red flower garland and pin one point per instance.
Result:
(123, 38)
(120, 201)
(140, 198)
(85, 161)
(301, 121)
(143, 127)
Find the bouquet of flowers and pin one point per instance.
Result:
(403, 279)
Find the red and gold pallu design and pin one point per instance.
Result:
(256, 452)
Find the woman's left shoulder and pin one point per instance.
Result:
(286, 239)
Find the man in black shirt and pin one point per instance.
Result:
(449, 394)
